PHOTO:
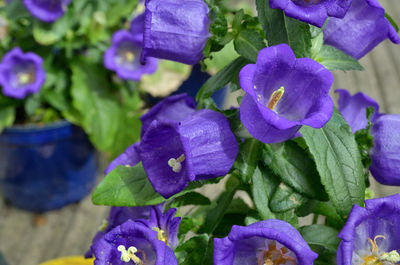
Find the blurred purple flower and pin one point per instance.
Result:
(354, 108)
(370, 235)
(118, 216)
(21, 73)
(47, 10)
(266, 242)
(134, 243)
(283, 93)
(385, 131)
(363, 28)
(166, 225)
(199, 147)
(123, 57)
(175, 30)
(314, 12)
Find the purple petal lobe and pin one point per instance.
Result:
(176, 30)
(130, 157)
(363, 28)
(47, 10)
(385, 154)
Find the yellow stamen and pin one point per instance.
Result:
(176, 164)
(161, 235)
(25, 78)
(103, 226)
(129, 56)
(275, 97)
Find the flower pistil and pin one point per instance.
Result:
(176, 164)
(387, 258)
(161, 235)
(275, 97)
(274, 256)
(130, 254)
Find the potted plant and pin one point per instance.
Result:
(69, 86)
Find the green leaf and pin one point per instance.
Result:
(49, 33)
(93, 99)
(334, 59)
(293, 165)
(338, 162)
(247, 159)
(15, 10)
(7, 117)
(215, 215)
(191, 198)
(221, 79)
(248, 43)
(322, 240)
(285, 198)
(126, 186)
(198, 250)
(281, 29)
(32, 103)
(326, 209)
(262, 189)
(392, 21)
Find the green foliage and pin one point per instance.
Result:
(7, 117)
(281, 29)
(246, 161)
(334, 59)
(338, 162)
(198, 249)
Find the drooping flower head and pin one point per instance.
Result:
(175, 30)
(263, 243)
(198, 147)
(47, 10)
(314, 12)
(123, 57)
(363, 28)
(173, 108)
(166, 225)
(21, 73)
(370, 235)
(133, 243)
(283, 93)
(354, 108)
(118, 216)
(385, 131)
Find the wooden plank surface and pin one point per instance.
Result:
(69, 231)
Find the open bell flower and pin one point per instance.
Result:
(175, 30)
(283, 93)
(47, 10)
(385, 131)
(118, 216)
(363, 28)
(132, 243)
(370, 235)
(199, 147)
(21, 73)
(263, 243)
(123, 57)
(314, 12)
(165, 224)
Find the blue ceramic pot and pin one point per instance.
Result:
(44, 168)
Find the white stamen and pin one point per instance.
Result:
(24, 78)
(176, 164)
(128, 255)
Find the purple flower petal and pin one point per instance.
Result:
(378, 221)
(385, 154)
(305, 100)
(354, 108)
(123, 57)
(47, 10)
(363, 28)
(314, 12)
(173, 108)
(21, 73)
(176, 30)
(262, 242)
